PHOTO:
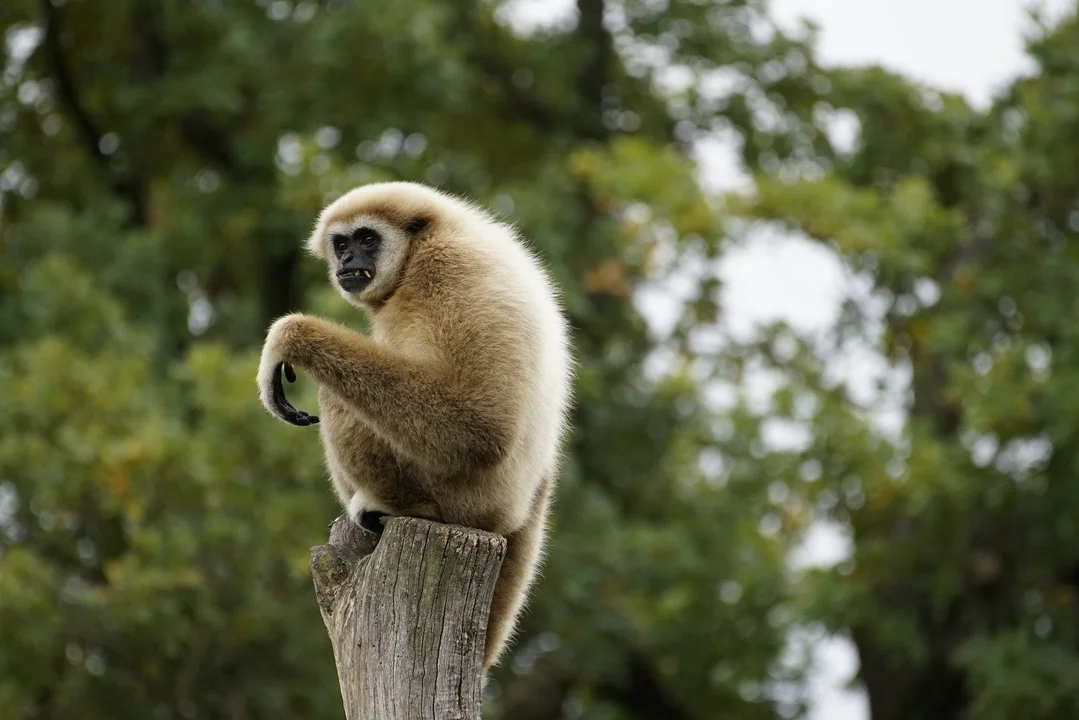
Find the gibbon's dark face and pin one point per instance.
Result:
(356, 258)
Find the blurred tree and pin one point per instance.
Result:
(161, 163)
(961, 595)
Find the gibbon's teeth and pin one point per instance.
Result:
(367, 274)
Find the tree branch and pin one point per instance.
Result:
(596, 72)
(643, 695)
(482, 52)
(126, 187)
(407, 616)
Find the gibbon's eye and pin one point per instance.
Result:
(340, 242)
(367, 237)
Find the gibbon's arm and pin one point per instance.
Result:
(439, 424)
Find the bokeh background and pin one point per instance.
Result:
(823, 292)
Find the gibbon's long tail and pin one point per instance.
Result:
(523, 549)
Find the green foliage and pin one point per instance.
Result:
(146, 561)
(160, 165)
(961, 593)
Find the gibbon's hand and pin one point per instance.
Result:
(275, 364)
(281, 405)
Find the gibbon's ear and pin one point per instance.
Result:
(417, 224)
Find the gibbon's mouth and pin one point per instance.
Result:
(354, 280)
(367, 274)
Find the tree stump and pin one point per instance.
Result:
(406, 613)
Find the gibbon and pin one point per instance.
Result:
(454, 409)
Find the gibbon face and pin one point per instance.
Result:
(355, 257)
(366, 243)
(365, 255)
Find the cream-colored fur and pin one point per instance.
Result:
(455, 408)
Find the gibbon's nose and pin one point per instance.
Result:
(347, 258)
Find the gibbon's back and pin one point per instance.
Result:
(515, 284)
(518, 280)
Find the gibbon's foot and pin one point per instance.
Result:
(282, 405)
(373, 521)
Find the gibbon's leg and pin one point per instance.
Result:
(523, 550)
(354, 468)
(443, 427)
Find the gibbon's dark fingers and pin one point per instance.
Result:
(282, 406)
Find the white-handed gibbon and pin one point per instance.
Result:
(454, 409)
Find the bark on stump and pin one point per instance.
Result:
(407, 616)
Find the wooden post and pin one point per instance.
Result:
(407, 616)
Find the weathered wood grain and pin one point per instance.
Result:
(407, 616)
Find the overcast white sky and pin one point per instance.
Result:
(967, 46)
